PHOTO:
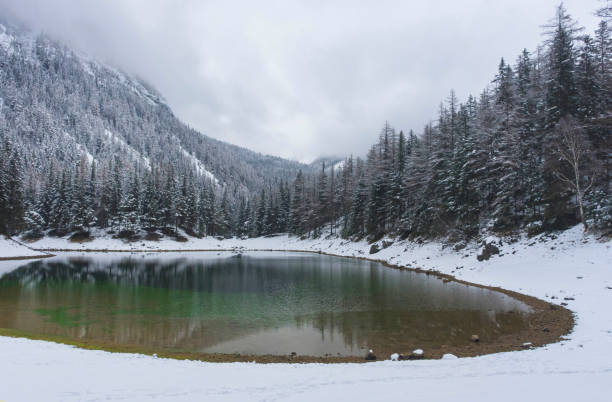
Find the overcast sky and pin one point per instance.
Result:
(302, 79)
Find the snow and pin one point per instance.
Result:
(6, 40)
(199, 166)
(81, 148)
(87, 64)
(128, 148)
(578, 368)
(10, 248)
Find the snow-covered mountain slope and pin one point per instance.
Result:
(59, 106)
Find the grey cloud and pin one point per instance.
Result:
(302, 79)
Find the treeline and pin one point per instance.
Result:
(121, 198)
(128, 198)
(531, 152)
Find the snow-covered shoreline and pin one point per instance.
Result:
(13, 250)
(566, 265)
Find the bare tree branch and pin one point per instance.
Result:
(573, 148)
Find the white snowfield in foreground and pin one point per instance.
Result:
(576, 369)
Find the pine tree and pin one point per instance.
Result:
(298, 206)
(503, 165)
(59, 217)
(150, 208)
(129, 208)
(396, 190)
(587, 85)
(357, 217)
(5, 157)
(602, 46)
(322, 212)
(561, 87)
(222, 215)
(561, 100)
(12, 207)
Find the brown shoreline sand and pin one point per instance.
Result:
(32, 257)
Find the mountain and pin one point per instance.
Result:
(59, 106)
(69, 116)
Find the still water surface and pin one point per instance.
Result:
(259, 303)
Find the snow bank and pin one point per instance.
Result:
(12, 249)
(568, 265)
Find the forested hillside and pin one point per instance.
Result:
(85, 145)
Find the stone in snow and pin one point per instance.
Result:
(394, 357)
(449, 356)
(416, 354)
(488, 249)
(370, 355)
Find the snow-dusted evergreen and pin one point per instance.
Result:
(84, 145)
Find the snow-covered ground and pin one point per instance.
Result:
(567, 265)
(12, 249)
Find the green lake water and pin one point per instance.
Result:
(259, 303)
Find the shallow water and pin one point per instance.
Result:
(259, 303)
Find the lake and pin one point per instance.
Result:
(253, 304)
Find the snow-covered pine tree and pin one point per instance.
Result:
(561, 100)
